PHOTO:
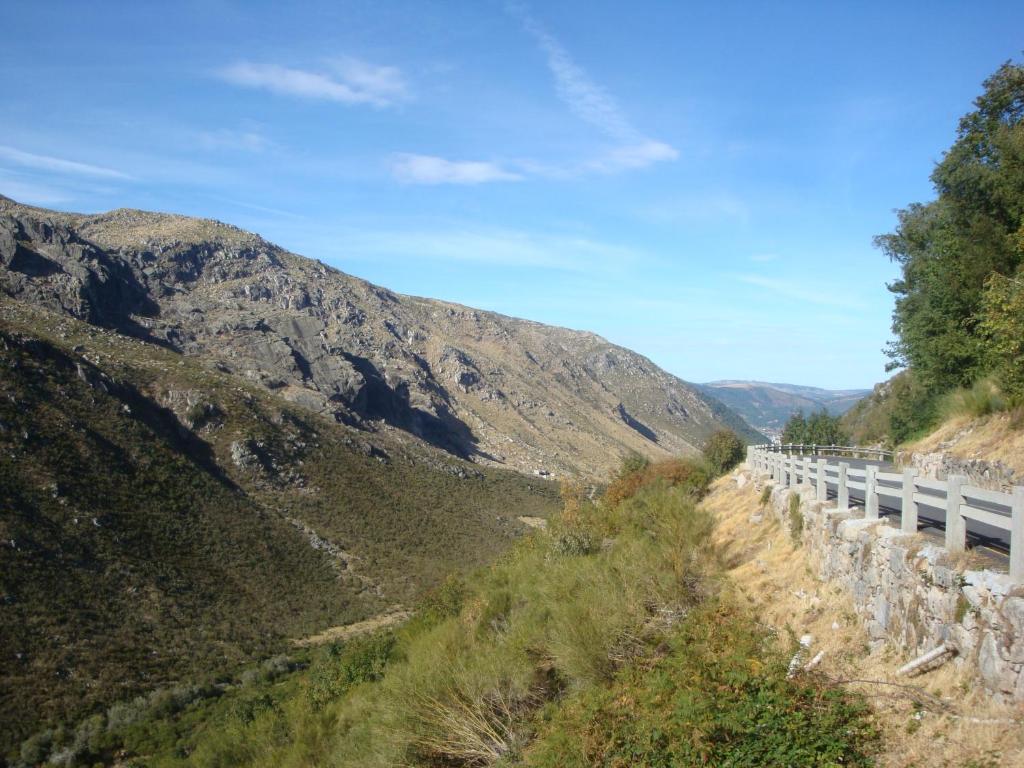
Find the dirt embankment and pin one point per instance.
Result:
(936, 719)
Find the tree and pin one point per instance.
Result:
(795, 429)
(1003, 324)
(947, 249)
(723, 451)
(818, 429)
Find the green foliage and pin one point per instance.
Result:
(818, 429)
(951, 329)
(766, 496)
(718, 697)
(981, 399)
(796, 519)
(633, 462)
(359, 661)
(146, 557)
(1003, 327)
(622, 656)
(723, 451)
(574, 542)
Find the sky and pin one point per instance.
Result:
(700, 182)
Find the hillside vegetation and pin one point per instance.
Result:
(959, 314)
(606, 639)
(165, 523)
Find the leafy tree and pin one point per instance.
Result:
(818, 429)
(795, 429)
(1003, 324)
(723, 451)
(948, 248)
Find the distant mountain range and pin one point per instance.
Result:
(766, 406)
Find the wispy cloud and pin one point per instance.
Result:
(241, 141)
(57, 164)
(502, 247)
(347, 81)
(708, 205)
(28, 192)
(595, 105)
(822, 295)
(429, 169)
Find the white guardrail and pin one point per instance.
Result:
(794, 465)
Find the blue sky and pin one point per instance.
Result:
(697, 181)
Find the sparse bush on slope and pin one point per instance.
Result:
(618, 654)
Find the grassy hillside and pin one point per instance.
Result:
(605, 640)
(164, 522)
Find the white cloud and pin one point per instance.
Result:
(384, 82)
(495, 247)
(709, 205)
(593, 104)
(630, 156)
(244, 141)
(352, 82)
(33, 194)
(58, 165)
(822, 295)
(429, 169)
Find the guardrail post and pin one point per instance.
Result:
(1017, 534)
(956, 528)
(805, 479)
(870, 492)
(822, 487)
(787, 467)
(908, 507)
(843, 501)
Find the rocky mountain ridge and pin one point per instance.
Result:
(483, 386)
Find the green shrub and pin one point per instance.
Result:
(575, 542)
(723, 451)
(766, 496)
(360, 660)
(1003, 326)
(720, 696)
(982, 399)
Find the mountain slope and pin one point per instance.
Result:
(163, 522)
(766, 407)
(483, 386)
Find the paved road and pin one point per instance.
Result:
(931, 519)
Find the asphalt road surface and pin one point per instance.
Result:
(993, 543)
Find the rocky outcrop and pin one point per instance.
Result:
(486, 387)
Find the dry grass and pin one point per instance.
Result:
(998, 437)
(778, 579)
(396, 615)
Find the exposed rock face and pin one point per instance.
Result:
(483, 386)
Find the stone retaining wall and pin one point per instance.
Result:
(908, 592)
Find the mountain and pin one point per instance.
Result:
(210, 447)
(766, 407)
(163, 522)
(493, 389)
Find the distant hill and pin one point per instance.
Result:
(766, 406)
